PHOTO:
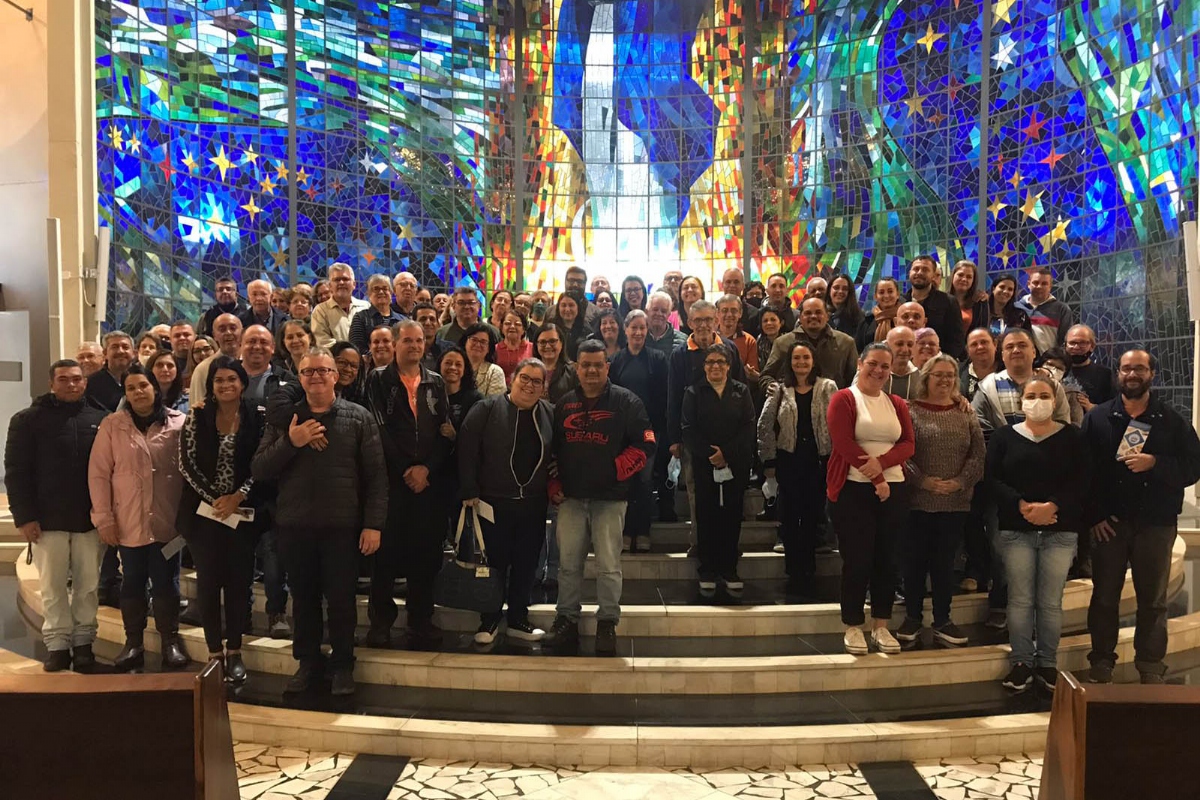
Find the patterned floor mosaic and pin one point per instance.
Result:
(1011, 777)
(275, 773)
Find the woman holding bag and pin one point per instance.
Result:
(504, 459)
(216, 447)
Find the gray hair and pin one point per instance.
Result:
(531, 362)
(316, 352)
(111, 335)
(701, 305)
(377, 279)
(725, 299)
(659, 293)
(636, 313)
(339, 266)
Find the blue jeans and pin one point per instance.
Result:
(274, 576)
(1036, 563)
(601, 523)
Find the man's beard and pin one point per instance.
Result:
(1135, 392)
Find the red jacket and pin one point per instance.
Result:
(842, 417)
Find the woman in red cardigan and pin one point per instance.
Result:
(872, 437)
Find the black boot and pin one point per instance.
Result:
(235, 668)
(82, 658)
(166, 620)
(133, 616)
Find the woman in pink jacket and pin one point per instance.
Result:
(134, 480)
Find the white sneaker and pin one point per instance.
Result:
(855, 642)
(884, 641)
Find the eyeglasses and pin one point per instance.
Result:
(346, 364)
(695, 321)
(465, 303)
(525, 380)
(592, 367)
(320, 372)
(549, 342)
(943, 376)
(1138, 370)
(717, 363)
(380, 290)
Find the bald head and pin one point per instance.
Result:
(816, 287)
(733, 282)
(901, 341)
(911, 315)
(227, 330)
(258, 346)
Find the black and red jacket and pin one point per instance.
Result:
(600, 444)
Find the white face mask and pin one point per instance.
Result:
(1038, 410)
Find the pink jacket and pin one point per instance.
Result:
(134, 478)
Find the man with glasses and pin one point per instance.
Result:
(380, 312)
(1144, 455)
(1096, 379)
(602, 440)
(228, 302)
(465, 308)
(330, 320)
(261, 311)
(837, 356)
(410, 405)
(331, 507)
(406, 288)
(687, 369)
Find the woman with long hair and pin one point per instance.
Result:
(481, 354)
(846, 315)
(691, 289)
(972, 303)
(793, 443)
(1002, 306)
(216, 447)
(876, 325)
(871, 436)
(608, 330)
(293, 340)
(571, 316)
(134, 469)
(461, 395)
(604, 299)
(202, 348)
(350, 378)
(633, 295)
(550, 349)
(166, 371)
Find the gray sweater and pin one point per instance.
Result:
(949, 444)
(343, 486)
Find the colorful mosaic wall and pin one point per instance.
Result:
(478, 140)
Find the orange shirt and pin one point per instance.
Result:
(410, 386)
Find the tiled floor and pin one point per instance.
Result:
(283, 773)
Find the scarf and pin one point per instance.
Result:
(885, 320)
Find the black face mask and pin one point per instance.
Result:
(1079, 360)
(754, 301)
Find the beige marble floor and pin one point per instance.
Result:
(281, 773)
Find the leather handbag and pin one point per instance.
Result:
(469, 583)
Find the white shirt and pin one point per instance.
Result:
(876, 430)
(331, 324)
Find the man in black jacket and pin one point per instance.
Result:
(941, 310)
(46, 464)
(602, 439)
(260, 310)
(104, 386)
(410, 405)
(1144, 455)
(332, 505)
(643, 371)
(228, 302)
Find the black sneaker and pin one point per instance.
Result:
(997, 619)
(525, 631)
(378, 637)
(488, 628)
(563, 631)
(1047, 677)
(1152, 679)
(1101, 672)
(949, 634)
(733, 584)
(910, 630)
(280, 629)
(343, 683)
(606, 638)
(83, 659)
(708, 585)
(1019, 678)
(306, 678)
(57, 661)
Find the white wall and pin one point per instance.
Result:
(24, 173)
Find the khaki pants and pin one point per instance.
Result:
(69, 616)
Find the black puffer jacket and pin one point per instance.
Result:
(343, 486)
(46, 464)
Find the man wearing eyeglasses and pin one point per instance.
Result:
(464, 305)
(602, 440)
(1144, 454)
(380, 312)
(332, 504)
(330, 320)
(410, 405)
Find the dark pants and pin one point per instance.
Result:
(411, 543)
(322, 564)
(867, 530)
(110, 572)
(801, 478)
(718, 526)
(640, 511)
(1146, 549)
(930, 544)
(274, 575)
(664, 493)
(984, 563)
(224, 561)
(146, 564)
(513, 543)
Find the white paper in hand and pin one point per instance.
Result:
(486, 511)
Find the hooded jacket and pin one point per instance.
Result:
(485, 450)
(46, 464)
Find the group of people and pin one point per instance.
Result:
(330, 436)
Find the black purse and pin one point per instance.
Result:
(470, 585)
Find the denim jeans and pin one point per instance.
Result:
(274, 575)
(1036, 563)
(69, 618)
(601, 523)
(146, 564)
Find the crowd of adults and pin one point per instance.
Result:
(318, 437)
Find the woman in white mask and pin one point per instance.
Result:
(1037, 470)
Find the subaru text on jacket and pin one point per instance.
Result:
(687, 368)
(343, 486)
(46, 464)
(600, 444)
(1154, 497)
(485, 450)
(407, 440)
